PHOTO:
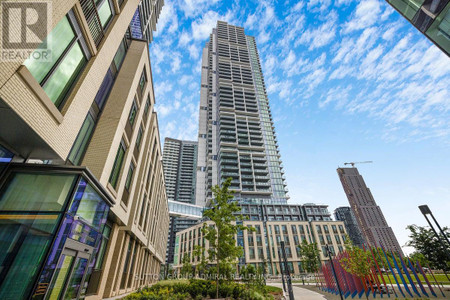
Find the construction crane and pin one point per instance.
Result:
(358, 162)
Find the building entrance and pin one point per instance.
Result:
(69, 280)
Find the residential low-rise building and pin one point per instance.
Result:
(263, 244)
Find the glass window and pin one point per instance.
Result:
(67, 60)
(132, 115)
(25, 240)
(65, 74)
(62, 273)
(88, 205)
(105, 88)
(81, 142)
(142, 81)
(36, 192)
(147, 106)
(58, 40)
(439, 30)
(129, 177)
(120, 55)
(139, 138)
(126, 264)
(104, 244)
(104, 12)
(407, 7)
(76, 277)
(5, 154)
(114, 178)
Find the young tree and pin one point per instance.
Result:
(186, 268)
(223, 250)
(199, 252)
(357, 261)
(426, 243)
(310, 256)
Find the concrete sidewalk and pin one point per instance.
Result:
(300, 293)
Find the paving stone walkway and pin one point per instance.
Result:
(300, 293)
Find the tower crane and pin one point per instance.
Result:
(358, 162)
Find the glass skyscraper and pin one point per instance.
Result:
(236, 131)
(431, 17)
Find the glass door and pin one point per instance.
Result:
(68, 280)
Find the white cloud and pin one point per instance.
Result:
(313, 79)
(202, 27)
(185, 79)
(185, 38)
(176, 62)
(366, 14)
(161, 89)
(194, 51)
(318, 5)
(192, 8)
(339, 95)
(168, 17)
(321, 36)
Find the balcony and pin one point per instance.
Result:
(247, 176)
(228, 167)
(258, 165)
(230, 174)
(231, 161)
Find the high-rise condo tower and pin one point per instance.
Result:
(236, 131)
(368, 214)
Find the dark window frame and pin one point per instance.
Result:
(122, 146)
(91, 115)
(78, 39)
(143, 81)
(132, 119)
(129, 179)
(139, 137)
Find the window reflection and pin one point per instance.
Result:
(88, 205)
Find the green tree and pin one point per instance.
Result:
(223, 250)
(310, 256)
(199, 252)
(426, 243)
(357, 261)
(417, 256)
(186, 268)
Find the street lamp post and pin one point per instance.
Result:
(425, 210)
(334, 271)
(286, 271)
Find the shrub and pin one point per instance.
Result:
(200, 289)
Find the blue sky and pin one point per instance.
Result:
(347, 81)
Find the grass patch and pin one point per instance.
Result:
(441, 279)
(273, 289)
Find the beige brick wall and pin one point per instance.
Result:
(59, 135)
(23, 101)
(271, 258)
(147, 191)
